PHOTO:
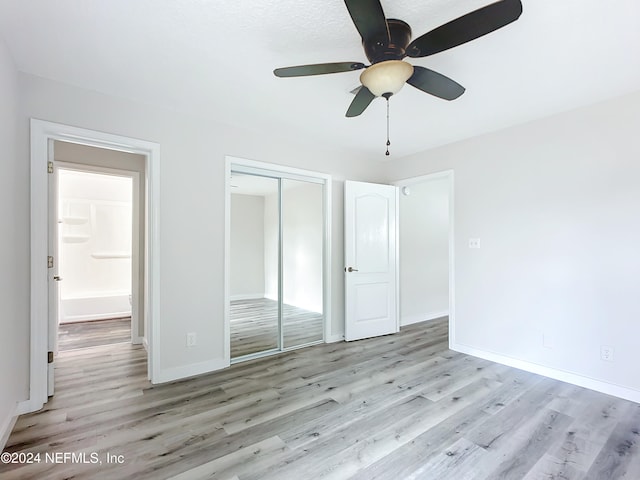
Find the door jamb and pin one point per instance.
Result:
(41, 132)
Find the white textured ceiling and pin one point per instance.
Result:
(215, 59)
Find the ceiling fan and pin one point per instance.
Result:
(387, 41)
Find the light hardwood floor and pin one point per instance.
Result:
(254, 326)
(91, 334)
(394, 407)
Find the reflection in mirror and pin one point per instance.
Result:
(276, 264)
(302, 253)
(254, 312)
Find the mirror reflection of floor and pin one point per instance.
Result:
(254, 326)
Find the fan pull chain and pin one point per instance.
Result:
(388, 142)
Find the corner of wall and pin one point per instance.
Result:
(14, 250)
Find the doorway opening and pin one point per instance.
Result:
(96, 232)
(43, 288)
(277, 263)
(96, 237)
(426, 249)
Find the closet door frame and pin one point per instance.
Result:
(279, 172)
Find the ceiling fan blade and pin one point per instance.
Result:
(360, 103)
(318, 69)
(466, 28)
(435, 83)
(368, 17)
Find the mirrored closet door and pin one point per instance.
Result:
(277, 232)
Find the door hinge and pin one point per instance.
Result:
(49, 357)
(50, 167)
(49, 261)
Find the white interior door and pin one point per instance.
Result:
(53, 270)
(371, 260)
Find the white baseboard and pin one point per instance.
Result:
(28, 406)
(6, 425)
(563, 376)
(335, 338)
(137, 340)
(247, 296)
(179, 373)
(411, 319)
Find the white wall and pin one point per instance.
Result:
(95, 215)
(424, 251)
(246, 277)
(556, 205)
(191, 214)
(14, 253)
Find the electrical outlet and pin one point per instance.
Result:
(474, 243)
(191, 339)
(606, 353)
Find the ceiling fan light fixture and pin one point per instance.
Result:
(386, 77)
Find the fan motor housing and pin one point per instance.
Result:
(393, 47)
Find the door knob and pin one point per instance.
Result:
(351, 269)
(57, 278)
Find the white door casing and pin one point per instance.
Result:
(53, 276)
(41, 133)
(371, 259)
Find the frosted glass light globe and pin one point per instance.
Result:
(386, 77)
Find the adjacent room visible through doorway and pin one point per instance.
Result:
(95, 219)
(426, 247)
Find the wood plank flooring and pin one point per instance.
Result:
(254, 326)
(90, 334)
(393, 407)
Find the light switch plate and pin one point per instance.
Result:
(474, 243)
